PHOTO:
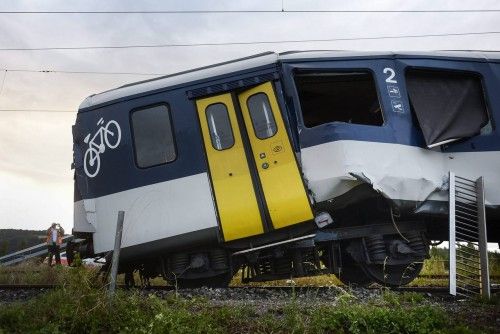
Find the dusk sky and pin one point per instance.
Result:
(36, 182)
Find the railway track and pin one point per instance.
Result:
(492, 277)
(27, 286)
(272, 296)
(420, 289)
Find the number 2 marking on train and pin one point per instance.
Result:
(391, 73)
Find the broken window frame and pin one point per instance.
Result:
(334, 70)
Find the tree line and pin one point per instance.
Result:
(12, 240)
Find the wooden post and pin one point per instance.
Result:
(116, 252)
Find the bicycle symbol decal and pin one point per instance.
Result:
(108, 135)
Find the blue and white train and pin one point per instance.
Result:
(287, 165)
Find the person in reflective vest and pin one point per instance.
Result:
(54, 240)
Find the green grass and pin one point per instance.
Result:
(81, 305)
(31, 272)
(56, 312)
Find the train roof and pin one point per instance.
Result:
(262, 60)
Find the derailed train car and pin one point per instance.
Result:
(287, 165)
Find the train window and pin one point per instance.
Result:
(153, 137)
(448, 105)
(261, 115)
(219, 126)
(349, 97)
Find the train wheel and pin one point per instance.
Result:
(392, 275)
(351, 272)
(410, 256)
(354, 275)
(411, 253)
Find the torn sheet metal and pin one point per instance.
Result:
(397, 172)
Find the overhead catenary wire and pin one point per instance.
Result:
(169, 45)
(188, 45)
(5, 70)
(250, 11)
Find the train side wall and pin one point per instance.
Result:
(392, 158)
(160, 202)
(154, 212)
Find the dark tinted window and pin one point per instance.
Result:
(153, 138)
(262, 117)
(219, 126)
(349, 97)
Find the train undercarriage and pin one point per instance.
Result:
(380, 250)
(371, 240)
(366, 242)
(388, 259)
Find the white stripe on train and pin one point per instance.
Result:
(152, 212)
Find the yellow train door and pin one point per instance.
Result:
(235, 197)
(285, 196)
(255, 177)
